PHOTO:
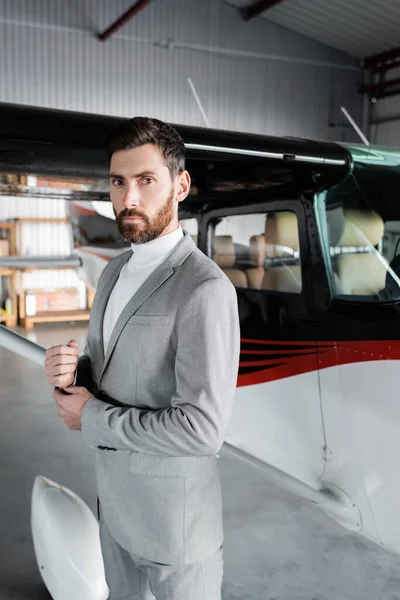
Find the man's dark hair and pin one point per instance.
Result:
(145, 130)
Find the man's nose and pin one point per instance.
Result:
(132, 197)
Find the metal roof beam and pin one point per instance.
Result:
(388, 94)
(379, 87)
(127, 16)
(253, 10)
(377, 61)
(386, 67)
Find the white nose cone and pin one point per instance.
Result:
(67, 544)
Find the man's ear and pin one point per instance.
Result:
(184, 185)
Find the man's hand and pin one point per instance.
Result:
(70, 405)
(61, 363)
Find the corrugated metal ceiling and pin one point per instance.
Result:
(358, 27)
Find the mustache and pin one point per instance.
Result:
(130, 213)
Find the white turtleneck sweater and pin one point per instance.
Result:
(144, 260)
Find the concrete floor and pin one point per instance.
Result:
(277, 547)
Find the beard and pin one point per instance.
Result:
(149, 228)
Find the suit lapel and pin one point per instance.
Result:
(103, 292)
(184, 248)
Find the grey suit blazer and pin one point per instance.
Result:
(171, 365)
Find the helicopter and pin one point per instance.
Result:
(308, 233)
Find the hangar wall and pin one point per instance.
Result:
(42, 239)
(250, 76)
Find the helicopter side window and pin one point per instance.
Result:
(359, 267)
(359, 227)
(258, 251)
(358, 247)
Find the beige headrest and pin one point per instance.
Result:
(283, 279)
(257, 250)
(224, 251)
(237, 277)
(361, 274)
(281, 233)
(361, 227)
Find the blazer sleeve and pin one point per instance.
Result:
(206, 367)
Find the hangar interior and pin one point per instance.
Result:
(282, 68)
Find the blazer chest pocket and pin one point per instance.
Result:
(149, 320)
(169, 466)
(149, 337)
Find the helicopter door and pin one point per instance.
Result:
(277, 412)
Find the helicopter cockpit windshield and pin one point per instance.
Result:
(359, 226)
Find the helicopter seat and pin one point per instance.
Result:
(360, 272)
(224, 256)
(255, 274)
(283, 273)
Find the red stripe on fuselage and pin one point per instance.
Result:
(320, 355)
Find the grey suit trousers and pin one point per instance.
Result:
(130, 577)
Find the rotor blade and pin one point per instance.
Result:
(39, 262)
(10, 340)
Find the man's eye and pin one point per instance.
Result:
(117, 182)
(147, 180)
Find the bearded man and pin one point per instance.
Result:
(153, 392)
